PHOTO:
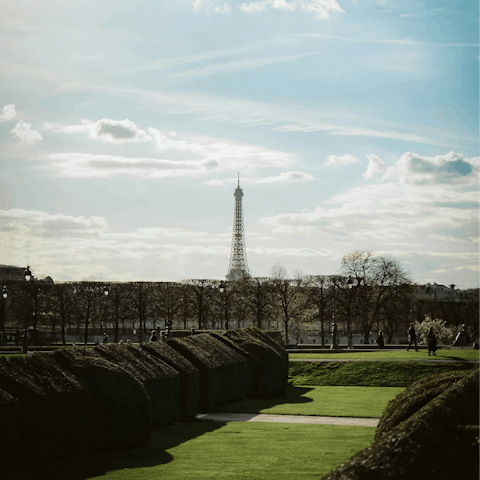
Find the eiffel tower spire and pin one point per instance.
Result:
(238, 266)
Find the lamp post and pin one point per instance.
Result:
(4, 298)
(106, 291)
(349, 324)
(223, 290)
(334, 324)
(33, 321)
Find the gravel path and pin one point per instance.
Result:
(313, 420)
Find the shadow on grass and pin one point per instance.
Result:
(255, 405)
(445, 357)
(90, 464)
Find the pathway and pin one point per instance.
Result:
(306, 419)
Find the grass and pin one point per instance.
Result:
(325, 401)
(210, 450)
(368, 374)
(393, 355)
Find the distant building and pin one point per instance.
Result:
(9, 273)
(448, 294)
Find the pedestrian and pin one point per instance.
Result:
(105, 338)
(412, 337)
(153, 336)
(432, 342)
(380, 340)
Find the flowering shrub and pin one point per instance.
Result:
(443, 333)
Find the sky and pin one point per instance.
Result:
(353, 125)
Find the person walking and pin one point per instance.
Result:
(432, 342)
(380, 340)
(413, 337)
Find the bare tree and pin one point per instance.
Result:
(319, 289)
(200, 296)
(288, 293)
(373, 280)
(140, 299)
(256, 294)
(61, 302)
(86, 301)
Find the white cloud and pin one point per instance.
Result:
(375, 165)
(46, 225)
(323, 9)
(71, 248)
(224, 154)
(8, 114)
(451, 168)
(79, 165)
(172, 62)
(194, 156)
(197, 4)
(228, 67)
(284, 177)
(404, 41)
(23, 132)
(247, 112)
(225, 9)
(340, 160)
(114, 131)
(402, 213)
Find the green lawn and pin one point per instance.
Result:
(210, 450)
(324, 401)
(393, 355)
(8, 355)
(368, 374)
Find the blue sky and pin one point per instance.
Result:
(353, 124)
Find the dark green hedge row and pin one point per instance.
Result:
(112, 396)
(431, 430)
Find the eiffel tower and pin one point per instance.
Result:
(238, 266)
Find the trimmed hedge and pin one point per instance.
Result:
(440, 440)
(189, 376)
(223, 371)
(112, 396)
(45, 412)
(121, 411)
(161, 382)
(413, 398)
(265, 368)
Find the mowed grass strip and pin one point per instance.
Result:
(329, 401)
(243, 451)
(393, 355)
(368, 374)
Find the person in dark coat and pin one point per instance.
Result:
(413, 337)
(380, 340)
(432, 342)
(153, 336)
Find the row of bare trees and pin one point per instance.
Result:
(369, 293)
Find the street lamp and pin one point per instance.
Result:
(4, 297)
(334, 324)
(33, 320)
(349, 324)
(223, 289)
(105, 295)
(27, 274)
